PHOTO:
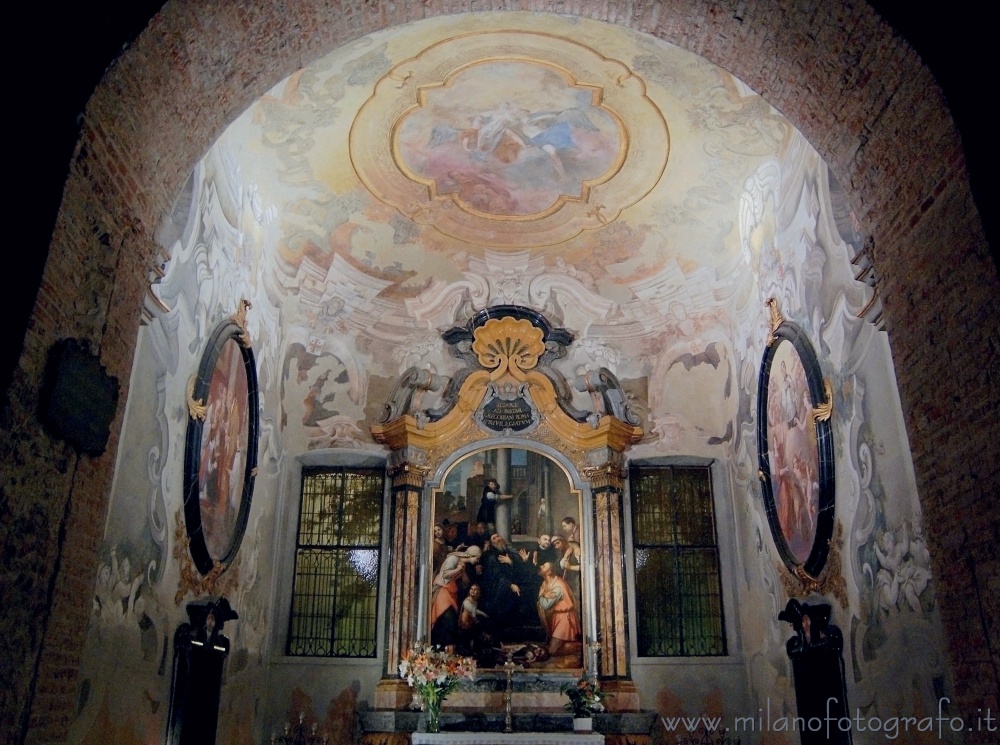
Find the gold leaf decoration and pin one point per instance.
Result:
(385, 738)
(830, 580)
(191, 580)
(196, 406)
(776, 319)
(823, 412)
(240, 319)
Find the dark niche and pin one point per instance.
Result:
(78, 398)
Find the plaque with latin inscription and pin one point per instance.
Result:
(507, 407)
(500, 415)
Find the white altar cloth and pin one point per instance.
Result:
(503, 738)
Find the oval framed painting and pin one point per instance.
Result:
(220, 457)
(795, 450)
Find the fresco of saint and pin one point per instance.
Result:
(223, 450)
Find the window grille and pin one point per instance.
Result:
(336, 587)
(678, 590)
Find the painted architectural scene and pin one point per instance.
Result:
(513, 286)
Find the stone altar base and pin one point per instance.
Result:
(531, 692)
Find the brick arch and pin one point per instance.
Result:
(852, 87)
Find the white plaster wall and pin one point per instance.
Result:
(804, 262)
(213, 247)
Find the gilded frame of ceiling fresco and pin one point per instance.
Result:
(220, 453)
(510, 139)
(795, 449)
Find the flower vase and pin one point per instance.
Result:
(434, 717)
(583, 724)
(432, 704)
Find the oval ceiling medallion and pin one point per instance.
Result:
(510, 139)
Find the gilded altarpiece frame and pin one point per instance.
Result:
(508, 349)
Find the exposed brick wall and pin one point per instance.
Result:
(853, 88)
(942, 302)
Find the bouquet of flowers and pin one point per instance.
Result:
(434, 673)
(585, 698)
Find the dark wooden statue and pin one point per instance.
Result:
(818, 669)
(200, 651)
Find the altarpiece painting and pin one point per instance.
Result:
(506, 561)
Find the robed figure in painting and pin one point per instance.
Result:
(488, 506)
(557, 610)
(502, 577)
(449, 583)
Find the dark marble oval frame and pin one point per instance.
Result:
(813, 565)
(226, 331)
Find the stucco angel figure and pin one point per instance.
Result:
(905, 571)
(890, 557)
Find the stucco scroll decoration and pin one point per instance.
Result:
(509, 387)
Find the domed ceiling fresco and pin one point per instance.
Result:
(579, 168)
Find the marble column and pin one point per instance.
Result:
(404, 581)
(503, 506)
(607, 487)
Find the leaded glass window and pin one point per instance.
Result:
(336, 588)
(678, 591)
